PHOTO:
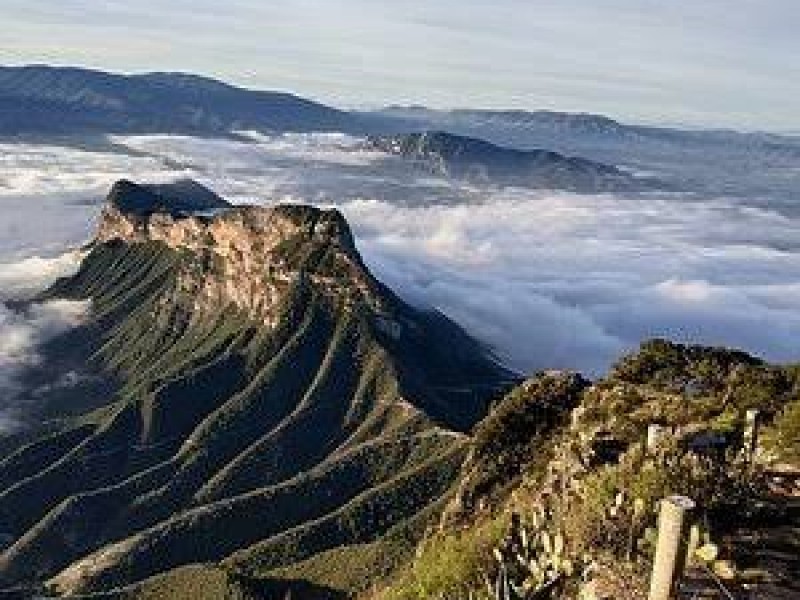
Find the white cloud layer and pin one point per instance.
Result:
(23, 329)
(21, 334)
(24, 278)
(549, 279)
(559, 280)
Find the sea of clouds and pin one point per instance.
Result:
(25, 326)
(548, 279)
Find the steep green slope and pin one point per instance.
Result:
(275, 401)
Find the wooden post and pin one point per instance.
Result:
(655, 433)
(751, 433)
(673, 525)
(693, 544)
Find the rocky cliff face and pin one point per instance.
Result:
(247, 256)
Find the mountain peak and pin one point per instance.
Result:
(180, 197)
(182, 212)
(245, 255)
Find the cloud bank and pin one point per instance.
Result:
(23, 329)
(558, 280)
(549, 279)
(24, 278)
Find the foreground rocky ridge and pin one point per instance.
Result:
(270, 401)
(559, 495)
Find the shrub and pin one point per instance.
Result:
(783, 437)
(681, 368)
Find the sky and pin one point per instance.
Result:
(713, 63)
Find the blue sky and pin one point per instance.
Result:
(730, 63)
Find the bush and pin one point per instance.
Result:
(681, 368)
(783, 438)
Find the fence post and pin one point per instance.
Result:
(673, 525)
(751, 433)
(655, 434)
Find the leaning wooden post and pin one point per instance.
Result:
(751, 433)
(670, 558)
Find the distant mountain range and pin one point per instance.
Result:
(244, 392)
(567, 127)
(480, 161)
(60, 100)
(41, 99)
